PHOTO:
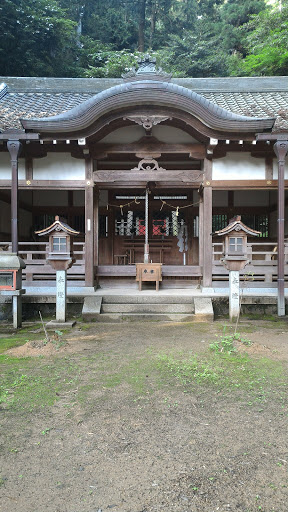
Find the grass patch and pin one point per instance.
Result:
(227, 370)
(28, 385)
(10, 338)
(25, 386)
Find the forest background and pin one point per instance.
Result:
(104, 38)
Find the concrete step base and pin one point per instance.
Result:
(145, 317)
(147, 299)
(147, 308)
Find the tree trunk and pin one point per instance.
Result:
(152, 23)
(141, 25)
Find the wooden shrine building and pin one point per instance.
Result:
(145, 163)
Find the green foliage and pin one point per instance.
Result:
(267, 44)
(35, 38)
(197, 38)
(110, 64)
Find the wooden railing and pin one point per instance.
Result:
(262, 261)
(262, 257)
(37, 268)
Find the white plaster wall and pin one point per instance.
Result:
(58, 166)
(238, 166)
(220, 198)
(171, 135)
(5, 167)
(126, 134)
(275, 170)
(164, 133)
(50, 198)
(251, 198)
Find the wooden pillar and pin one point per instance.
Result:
(89, 224)
(201, 234)
(96, 226)
(207, 225)
(281, 148)
(14, 148)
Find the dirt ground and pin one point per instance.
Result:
(122, 436)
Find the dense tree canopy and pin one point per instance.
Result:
(100, 38)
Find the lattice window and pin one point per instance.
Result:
(257, 222)
(42, 221)
(219, 222)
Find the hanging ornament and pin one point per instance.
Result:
(177, 211)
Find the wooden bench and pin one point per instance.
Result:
(187, 271)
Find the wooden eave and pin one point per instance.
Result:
(85, 119)
(59, 227)
(237, 226)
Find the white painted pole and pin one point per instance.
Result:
(234, 295)
(61, 295)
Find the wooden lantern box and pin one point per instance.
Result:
(8, 279)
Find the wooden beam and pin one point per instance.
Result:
(245, 184)
(46, 184)
(111, 176)
(145, 146)
(281, 149)
(89, 225)
(18, 136)
(96, 226)
(28, 169)
(14, 148)
(207, 226)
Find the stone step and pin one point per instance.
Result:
(148, 308)
(198, 310)
(145, 317)
(146, 299)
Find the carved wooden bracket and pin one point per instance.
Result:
(147, 121)
(148, 164)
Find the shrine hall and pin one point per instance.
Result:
(146, 169)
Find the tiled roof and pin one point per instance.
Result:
(42, 97)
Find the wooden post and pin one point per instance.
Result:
(200, 233)
(146, 246)
(14, 148)
(207, 225)
(96, 226)
(89, 225)
(281, 148)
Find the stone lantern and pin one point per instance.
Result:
(60, 257)
(235, 258)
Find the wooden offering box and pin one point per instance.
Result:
(149, 272)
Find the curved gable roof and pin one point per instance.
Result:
(148, 92)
